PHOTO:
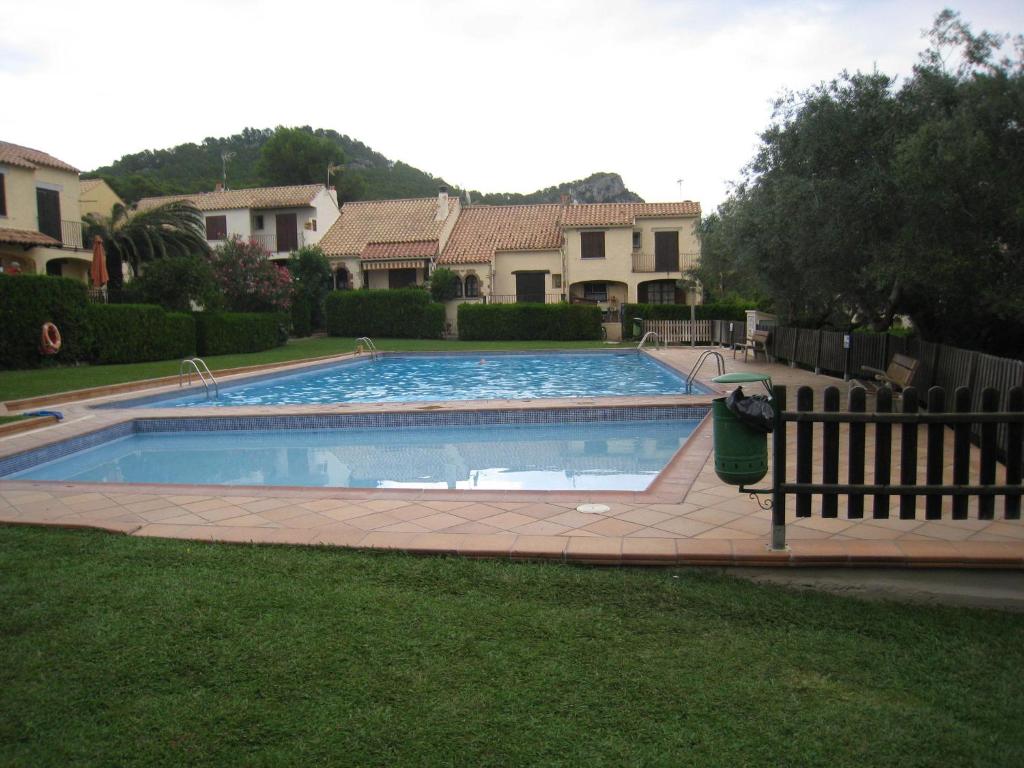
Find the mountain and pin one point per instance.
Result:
(368, 175)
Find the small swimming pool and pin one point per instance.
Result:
(414, 378)
(580, 449)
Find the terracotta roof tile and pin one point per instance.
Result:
(483, 229)
(415, 249)
(232, 199)
(26, 237)
(623, 214)
(88, 185)
(26, 157)
(384, 221)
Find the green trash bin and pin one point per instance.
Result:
(741, 453)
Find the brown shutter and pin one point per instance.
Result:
(3, 197)
(216, 227)
(592, 245)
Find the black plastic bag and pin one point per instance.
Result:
(755, 411)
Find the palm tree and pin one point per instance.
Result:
(176, 228)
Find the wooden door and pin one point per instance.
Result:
(48, 205)
(666, 251)
(287, 233)
(530, 287)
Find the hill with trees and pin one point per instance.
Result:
(302, 155)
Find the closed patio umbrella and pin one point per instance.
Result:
(98, 270)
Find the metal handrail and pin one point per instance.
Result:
(646, 336)
(374, 352)
(700, 361)
(195, 363)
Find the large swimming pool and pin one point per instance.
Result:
(603, 449)
(412, 378)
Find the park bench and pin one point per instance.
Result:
(899, 375)
(758, 342)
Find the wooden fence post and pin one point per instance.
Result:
(936, 442)
(883, 453)
(830, 451)
(855, 472)
(908, 456)
(804, 450)
(779, 470)
(1014, 447)
(987, 471)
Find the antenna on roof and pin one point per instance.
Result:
(680, 183)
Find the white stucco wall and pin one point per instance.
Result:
(507, 263)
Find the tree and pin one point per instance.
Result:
(297, 156)
(173, 229)
(443, 284)
(311, 279)
(248, 279)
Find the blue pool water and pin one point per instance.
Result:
(617, 455)
(450, 377)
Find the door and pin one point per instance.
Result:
(666, 251)
(401, 278)
(530, 287)
(48, 205)
(287, 233)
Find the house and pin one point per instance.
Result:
(606, 254)
(97, 198)
(40, 218)
(281, 219)
(389, 243)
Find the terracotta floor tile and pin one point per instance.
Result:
(436, 543)
(594, 549)
(539, 547)
(403, 527)
(372, 521)
(574, 519)
(440, 521)
(541, 528)
(383, 505)
(683, 526)
(380, 540)
(656, 551)
(644, 516)
(713, 516)
(507, 520)
(486, 545)
(698, 551)
(613, 527)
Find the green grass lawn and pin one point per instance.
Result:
(15, 385)
(135, 652)
(7, 419)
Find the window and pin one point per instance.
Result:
(595, 291)
(313, 222)
(216, 227)
(3, 197)
(592, 245)
(458, 287)
(472, 287)
(637, 240)
(258, 222)
(556, 281)
(661, 293)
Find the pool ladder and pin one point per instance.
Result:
(370, 346)
(202, 370)
(700, 361)
(650, 334)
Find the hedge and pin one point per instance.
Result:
(136, 333)
(302, 315)
(28, 301)
(404, 313)
(527, 322)
(226, 333)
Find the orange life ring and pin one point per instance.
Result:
(50, 342)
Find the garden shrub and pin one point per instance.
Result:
(28, 301)
(443, 286)
(404, 313)
(526, 322)
(249, 281)
(311, 280)
(136, 333)
(302, 315)
(225, 333)
(175, 282)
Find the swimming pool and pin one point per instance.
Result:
(413, 378)
(576, 449)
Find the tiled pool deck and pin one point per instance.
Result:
(687, 517)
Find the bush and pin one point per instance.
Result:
(405, 313)
(524, 322)
(174, 283)
(302, 316)
(226, 333)
(249, 281)
(442, 284)
(28, 301)
(311, 279)
(136, 333)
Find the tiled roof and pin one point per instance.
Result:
(623, 214)
(88, 185)
(415, 249)
(483, 229)
(26, 157)
(232, 199)
(26, 237)
(384, 221)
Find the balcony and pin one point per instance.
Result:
(71, 234)
(533, 298)
(648, 262)
(289, 242)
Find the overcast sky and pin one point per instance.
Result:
(503, 96)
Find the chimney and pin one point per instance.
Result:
(442, 204)
(218, 187)
(564, 200)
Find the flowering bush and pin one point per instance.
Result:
(248, 279)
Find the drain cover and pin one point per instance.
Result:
(593, 509)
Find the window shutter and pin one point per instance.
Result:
(3, 197)
(216, 227)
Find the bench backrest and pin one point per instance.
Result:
(901, 369)
(760, 337)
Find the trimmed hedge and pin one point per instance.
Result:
(302, 315)
(528, 322)
(28, 301)
(136, 333)
(404, 313)
(226, 333)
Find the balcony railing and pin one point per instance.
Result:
(646, 262)
(533, 298)
(269, 242)
(71, 234)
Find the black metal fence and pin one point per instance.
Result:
(956, 481)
